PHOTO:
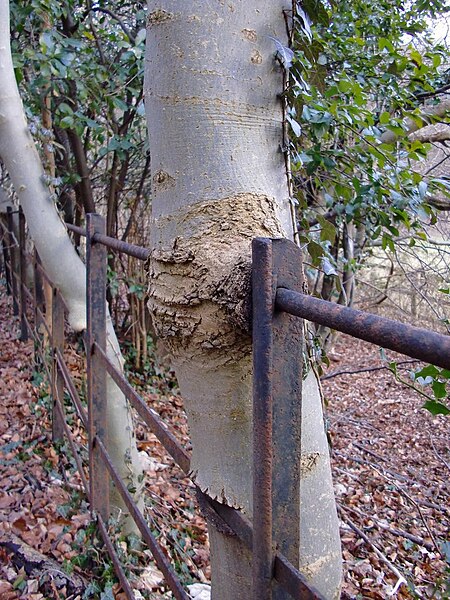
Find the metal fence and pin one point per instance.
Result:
(278, 302)
(278, 307)
(273, 561)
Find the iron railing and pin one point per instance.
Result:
(278, 302)
(280, 567)
(278, 309)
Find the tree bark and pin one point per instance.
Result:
(218, 175)
(428, 116)
(59, 258)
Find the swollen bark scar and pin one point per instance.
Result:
(159, 16)
(250, 35)
(256, 57)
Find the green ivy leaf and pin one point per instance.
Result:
(439, 389)
(436, 408)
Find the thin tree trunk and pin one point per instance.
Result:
(219, 180)
(61, 262)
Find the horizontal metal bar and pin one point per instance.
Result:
(161, 560)
(113, 243)
(293, 581)
(149, 416)
(61, 297)
(44, 274)
(125, 247)
(290, 578)
(415, 342)
(43, 358)
(30, 329)
(74, 449)
(70, 385)
(28, 294)
(76, 229)
(115, 559)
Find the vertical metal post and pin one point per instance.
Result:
(287, 340)
(263, 299)
(12, 259)
(96, 261)
(6, 258)
(57, 378)
(38, 292)
(23, 278)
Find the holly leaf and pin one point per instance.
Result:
(436, 408)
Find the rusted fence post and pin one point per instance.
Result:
(263, 297)
(6, 255)
(57, 343)
(277, 386)
(23, 278)
(12, 259)
(287, 353)
(96, 261)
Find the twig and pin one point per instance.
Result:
(398, 532)
(346, 473)
(365, 370)
(381, 556)
(438, 456)
(375, 466)
(424, 521)
(365, 449)
(406, 495)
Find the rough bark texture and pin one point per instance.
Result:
(51, 575)
(58, 256)
(219, 180)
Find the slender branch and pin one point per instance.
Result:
(427, 117)
(400, 578)
(364, 370)
(113, 15)
(441, 90)
(418, 290)
(424, 521)
(397, 532)
(438, 456)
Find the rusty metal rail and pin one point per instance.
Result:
(112, 243)
(148, 415)
(277, 299)
(161, 560)
(415, 342)
(274, 536)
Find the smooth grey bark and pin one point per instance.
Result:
(426, 117)
(59, 258)
(212, 96)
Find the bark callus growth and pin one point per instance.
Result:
(212, 98)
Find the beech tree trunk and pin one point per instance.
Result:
(215, 119)
(58, 256)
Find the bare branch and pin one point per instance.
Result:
(427, 117)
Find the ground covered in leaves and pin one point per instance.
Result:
(391, 465)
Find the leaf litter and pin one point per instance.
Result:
(390, 464)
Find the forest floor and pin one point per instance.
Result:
(391, 467)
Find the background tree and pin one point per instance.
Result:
(64, 267)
